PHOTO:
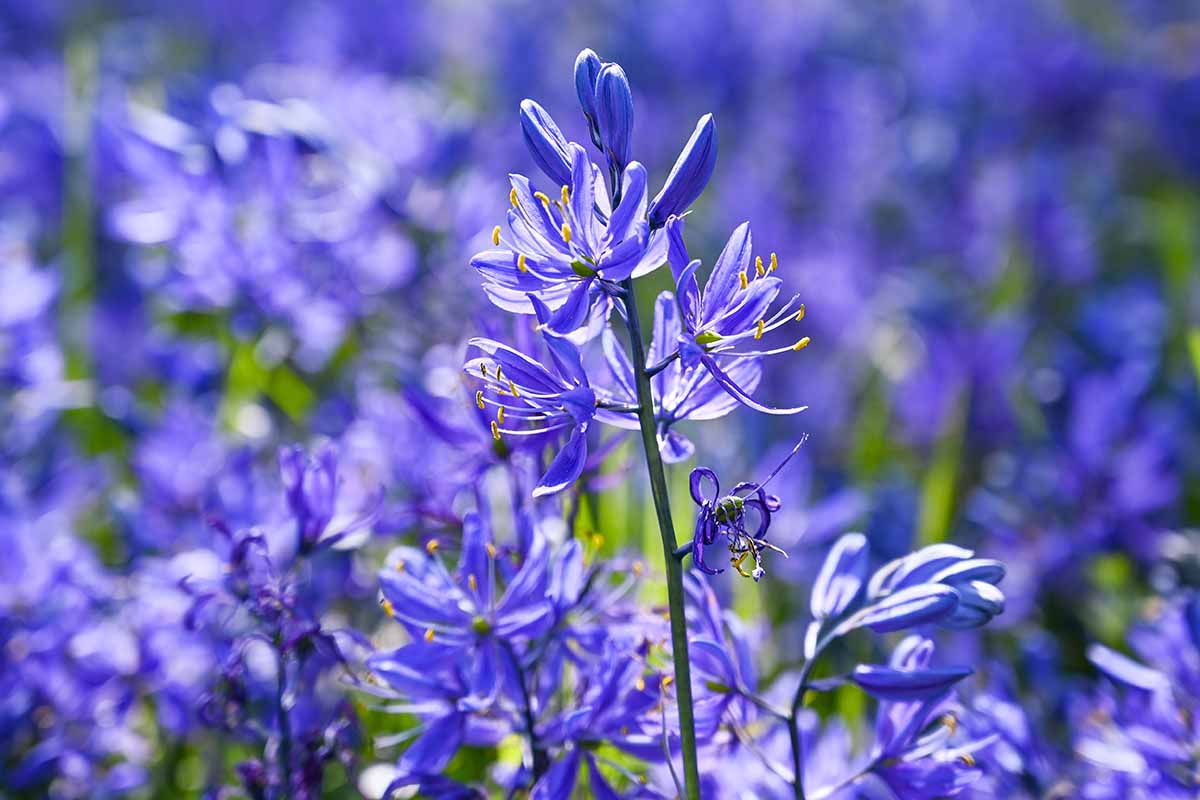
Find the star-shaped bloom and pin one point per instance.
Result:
(568, 250)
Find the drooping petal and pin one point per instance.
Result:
(572, 314)
(728, 384)
(567, 466)
(886, 683)
(675, 447)
(690, 174)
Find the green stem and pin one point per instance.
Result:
(662, 507)
(793, 720)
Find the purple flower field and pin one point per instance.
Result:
(632, 400)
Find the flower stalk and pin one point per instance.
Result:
(662, 508)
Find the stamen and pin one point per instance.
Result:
(950, 722)
(495, 431)
(521, 265)
(512, 198)
(667, 680)
(566, 233)
(641, 684)
(479, 399)
(800, 313)
(512, 387)
(968, 759)
(774, 262)
(758, 331)
(597, 540)
(803, 343)
(400, 565)
(500, 415)
(758, 266)
(388, 608)
(491, 550)
(431, 546)
(429, 634)
(483, 370)
(638, 568)
(742, 279)
(496, 236)
(543, 198)
(473, 582)
(566, 195)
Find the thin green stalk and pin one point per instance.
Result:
(662, 507)
(793, 720)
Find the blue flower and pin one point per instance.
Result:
(690, 174)
(733, 310)
(532, 399)
(568, 251)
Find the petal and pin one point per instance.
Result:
(632, 209)
(907, 608)
(587, 68)
(619, 365)
(735, 391)
(567, 465)
(841, 576)
(559, 780)
(1126, 671)
(886, 683)
(572, 314)
(434, 748)
(614, 114)
(725, 282)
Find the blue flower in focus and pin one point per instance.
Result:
(532, 399)
(570, 248)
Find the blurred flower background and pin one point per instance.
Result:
(235, 297)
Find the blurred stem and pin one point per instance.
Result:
(541, 761)
(285, 725)
(793, 720)
(666, 529)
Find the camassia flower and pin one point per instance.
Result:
(733, 313)
(726, 517)
(532, 399)
(466, 613)
(569, 251)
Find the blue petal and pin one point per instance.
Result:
(567, 465)
(572, 314)
(916, 605)
(1126, 671)
(559, 781)
(632, 209)
(587, 68)
(690, 174)
(891, 684)
(725, 281)
(841, 576)
(434, 748)
(735, 391)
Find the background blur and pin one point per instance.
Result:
(228, 226)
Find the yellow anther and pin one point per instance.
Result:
(758, 265)
(400, 565)
(800, 313)
(950, 722)
(641, 684)
(566, 195)
(968, 759)
(429, 634)
(624, 730)
(473, 582)
(500, 415)
(758, 330)
(491, 550)
(388, 608)
(498, 368)
(742, 279)
(512, 387)
(495, 431)
(667, 681)
(774, 262)
(512, 198)
(521, 265)
(543, 198)
(483, 370)
(643, 780)
(638, 568)
(432, 546)
(803, 343)
(597, 540)
(479, 399)
(737, 564)
(566, 233)
(496, 235)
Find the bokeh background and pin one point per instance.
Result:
(230, 226)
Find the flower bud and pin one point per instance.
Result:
(614, 115)
(587, 70)
(690, 174)
(546, 143)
